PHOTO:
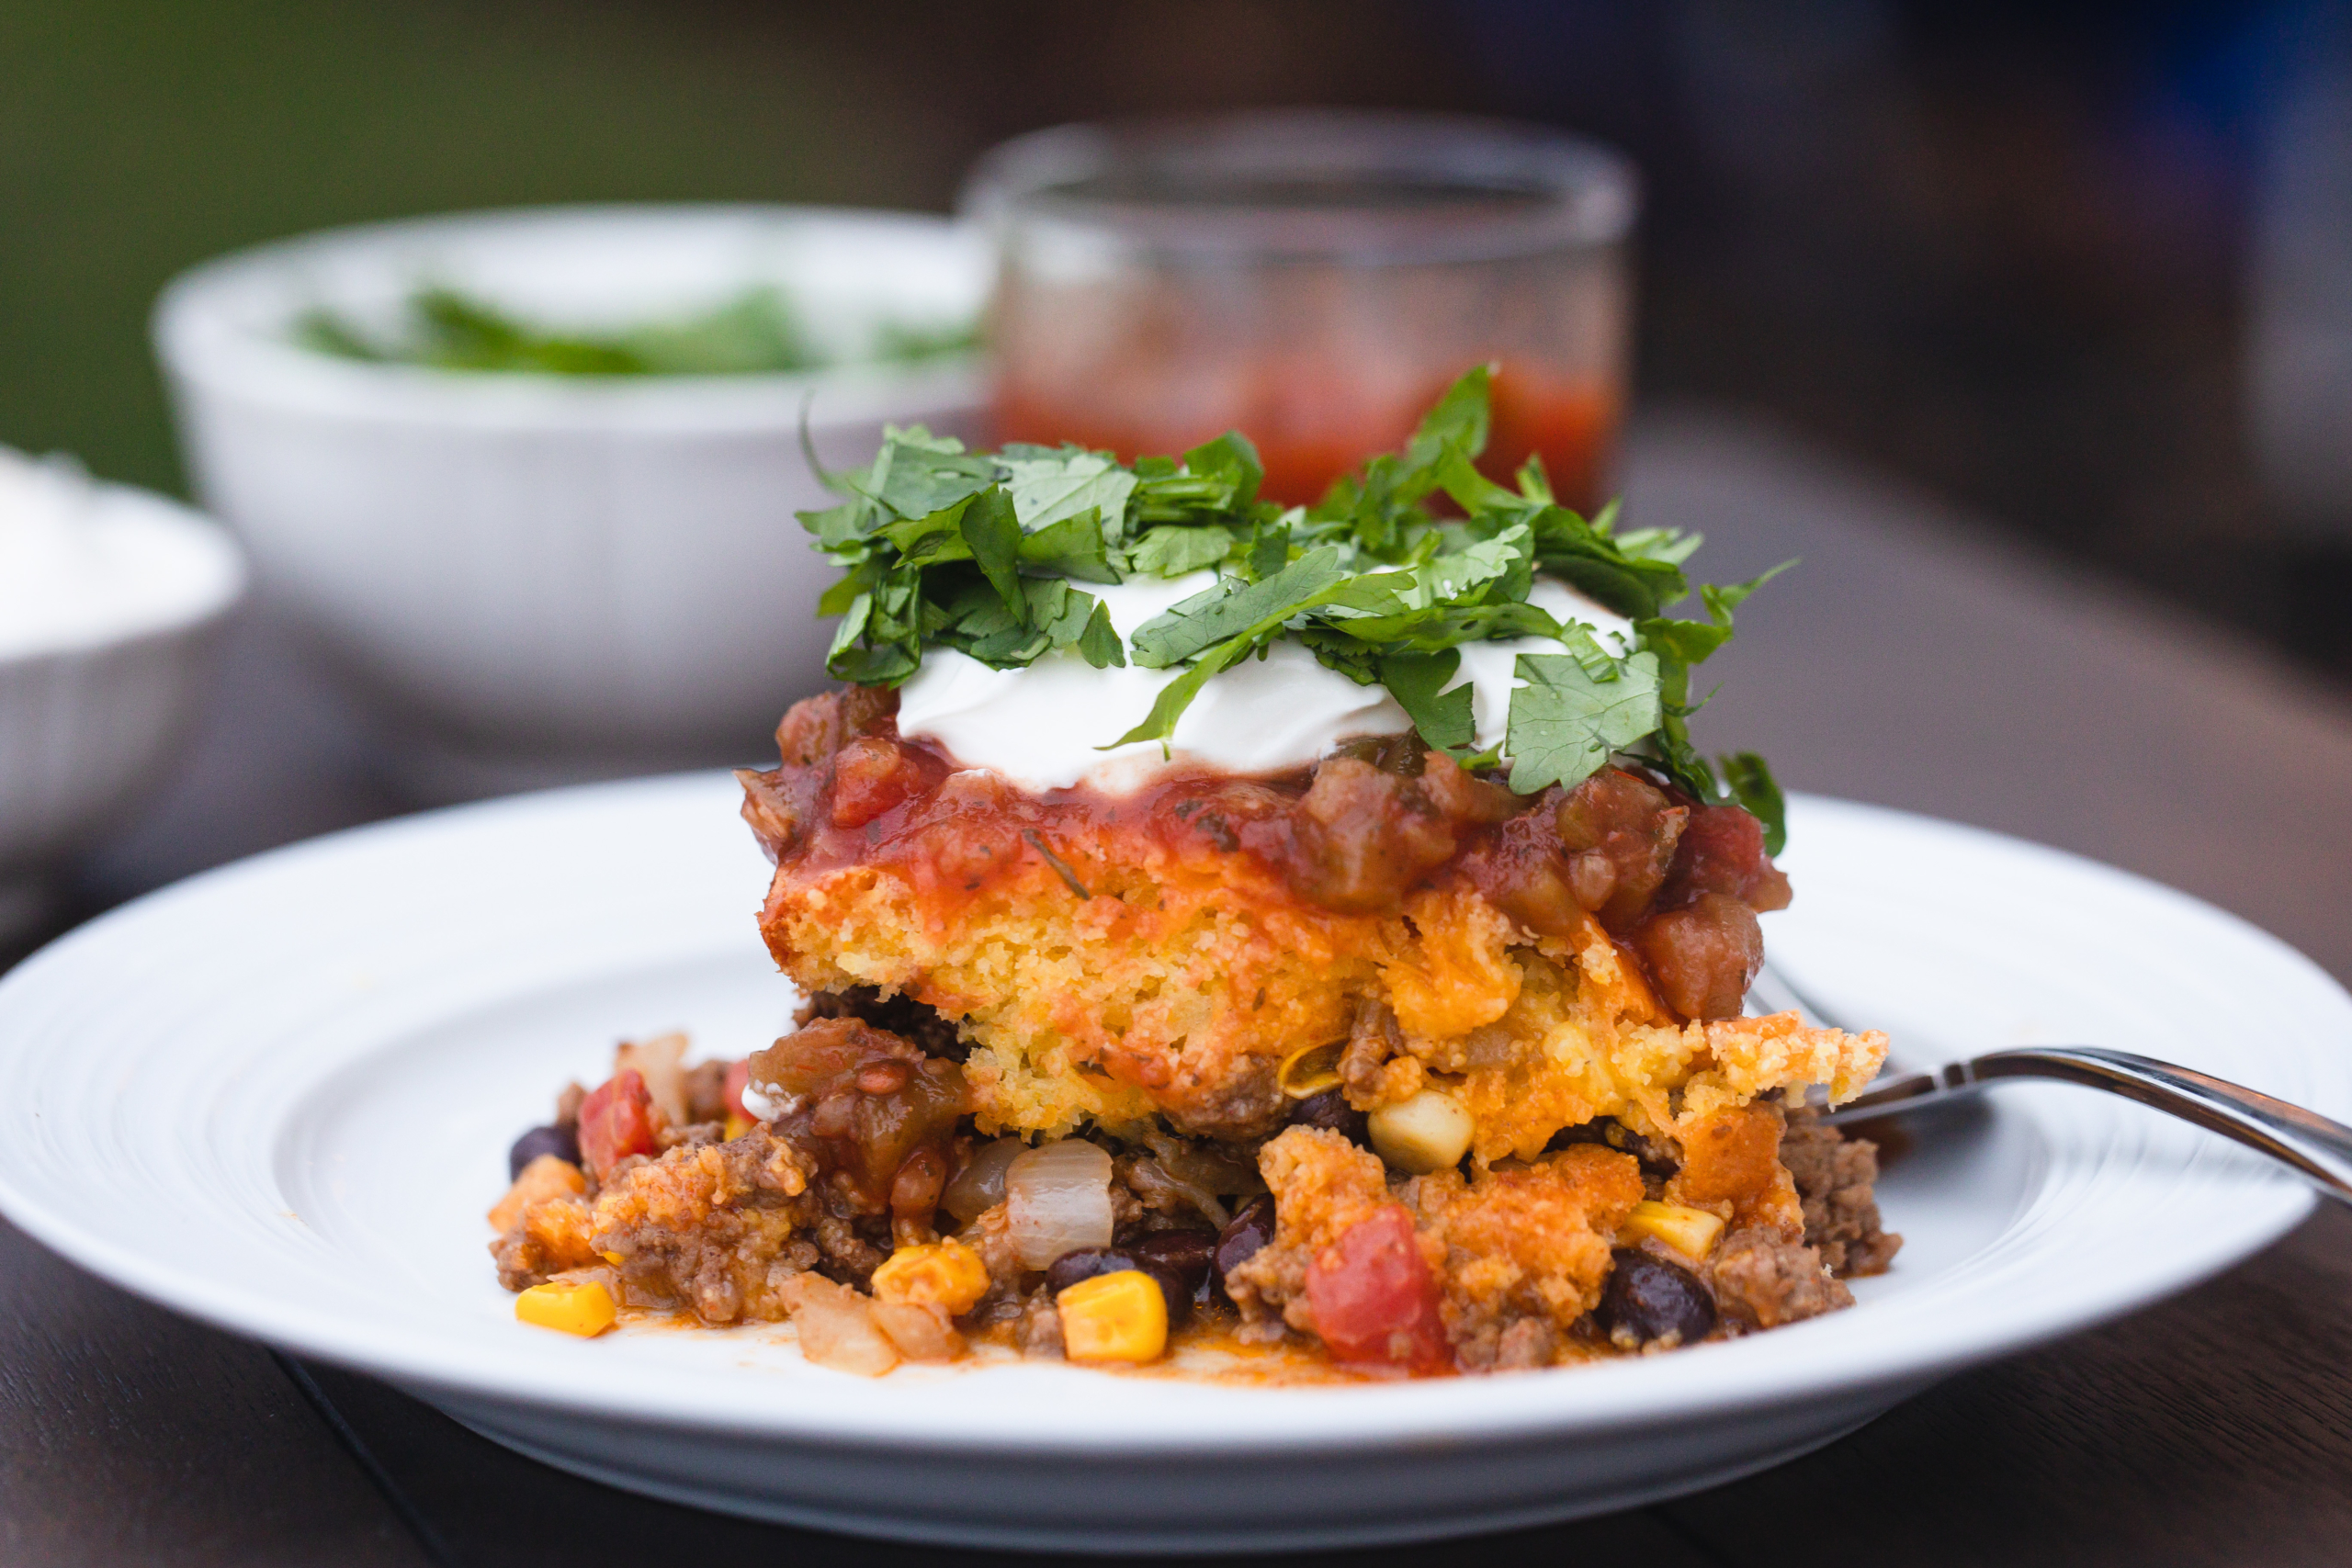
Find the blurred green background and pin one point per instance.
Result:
(140, 136)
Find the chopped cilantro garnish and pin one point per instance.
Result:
(984, 553)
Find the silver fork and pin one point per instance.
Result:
(2312, 1143)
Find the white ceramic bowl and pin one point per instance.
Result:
(89, 717)
(550, 577)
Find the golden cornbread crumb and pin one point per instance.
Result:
(1178, 985)
(1527, 1239)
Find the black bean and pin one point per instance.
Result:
(1088, 1263)
(1657, 1158)
(1084, 1264)
(1647, 1299)
(1188, 1254)
(1250, 1229)
(1173, 1286)
(1332, 1111)
(557, 1141)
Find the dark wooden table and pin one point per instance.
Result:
(1915, 660)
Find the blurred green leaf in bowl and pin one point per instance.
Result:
(754, 334)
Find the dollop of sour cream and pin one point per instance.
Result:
(1044, 726)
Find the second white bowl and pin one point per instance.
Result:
(552, 577)
(95, 708)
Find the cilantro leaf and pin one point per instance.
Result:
(1159, 724)
(1691, 642)
(835, 526)
(1418, 681)
(1382, 506)
(1460, 418)
(991, 532)
(1071, 547)
(1268, 549)
(1099, 643)
(1563, 724)
(1753, 788)
(1231, 608)
(1232, 458)
(1176, 550)
(1053, 485)
(916, 473)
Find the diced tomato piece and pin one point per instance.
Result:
(739, 1078)
(1374, 1297)
(617, 1121)
(873, 775)
(1722, 850)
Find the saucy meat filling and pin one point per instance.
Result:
(870, 1211)
(1676, 882)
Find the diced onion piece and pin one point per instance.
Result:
(662, 1065)
(920, 1329)
(836, 1327)
(1429, 1132)
(1057, 1199)
(979, 1186)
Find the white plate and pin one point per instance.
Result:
(278, 1096)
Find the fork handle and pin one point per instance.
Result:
(2318, 1147)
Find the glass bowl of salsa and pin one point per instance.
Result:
(1314, 278)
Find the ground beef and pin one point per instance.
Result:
(991, 1236)
(1526, 1247)
(1038, 1330)
(1144, 1197)
(714, 1228)
(921, 1027)
(1375, 1069)
(849, 1257)
(1322, 1184)
(1246, 1103)
(1518, 1253)
(692, 1135)
(1762, 1280)
(1834, 1175)
(705, 1087)
(547, 1238)
(1530, 1342)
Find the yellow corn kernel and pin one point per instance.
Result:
(1429, 1132)
(1114, 1317)
(1310, 1070)
(938, 1273)
(582, 1307)
(1690, 1232)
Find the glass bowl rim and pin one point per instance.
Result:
(1568, 193)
